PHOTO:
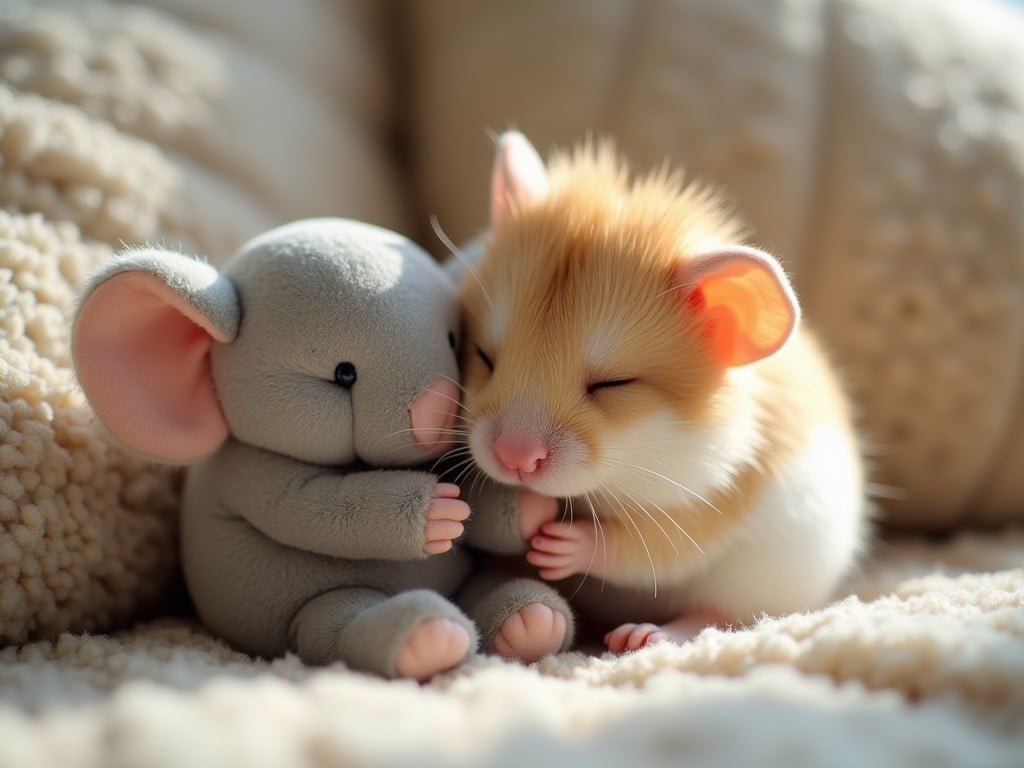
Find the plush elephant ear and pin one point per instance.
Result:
(140, 343)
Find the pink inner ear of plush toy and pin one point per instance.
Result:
(142, 357)
(749, 305)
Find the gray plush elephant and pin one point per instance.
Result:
(308, 384)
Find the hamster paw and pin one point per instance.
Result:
(434, 646)
(534, 631)
(562, 549)
(632, 637)
(534, 511)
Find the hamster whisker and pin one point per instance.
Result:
(450, 399)
(475, 479)
(412, 444)
(456, 431)
(640, 536)
(410, 430)
(465, 421)
(659, 476)
(647, 513)
(458, 384)
(466, 417)
(416, 444)
(450, 455)
(600, 531)
(593, 556)
(479, 478)
(435, 225)
(593, 514)
(462, 469)
(461, 448)
(660, 460)
(461, 405)
(443, 456)
(674, 522)
(458, 403)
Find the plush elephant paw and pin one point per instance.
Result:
(562, 549)
(534, 631)
(434, 646)
(444, 519)
(534, 511)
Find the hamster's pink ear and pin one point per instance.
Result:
(140, 344)
(746, 299)
(519, 176)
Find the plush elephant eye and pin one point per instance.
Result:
(451, 339)
(345, 375)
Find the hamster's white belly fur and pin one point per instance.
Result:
(806, 531)
(807, 528)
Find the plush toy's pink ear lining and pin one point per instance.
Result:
(142, 356)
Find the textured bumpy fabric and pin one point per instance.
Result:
(88, 534)
(876, 146)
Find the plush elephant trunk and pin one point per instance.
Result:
(432, 416)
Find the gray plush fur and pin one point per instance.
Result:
(494, 527)
(293, 538)
(318, 292)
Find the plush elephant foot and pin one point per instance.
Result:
(632, 637)
(434, 646)
(413, 634)
(519, 618)
(534, 631)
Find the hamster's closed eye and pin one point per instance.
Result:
(485, 358)
(608, 384)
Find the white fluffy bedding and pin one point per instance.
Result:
(923, 664)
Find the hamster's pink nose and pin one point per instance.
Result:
(520, 455)
(432, 414)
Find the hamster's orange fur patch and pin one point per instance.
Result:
(597, 252)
